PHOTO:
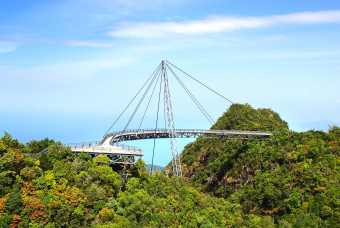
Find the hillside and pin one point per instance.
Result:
(292, 177)
(289, 180)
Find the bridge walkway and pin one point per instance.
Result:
(138, 134)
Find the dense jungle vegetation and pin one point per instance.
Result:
(292, 177)
(289, 180)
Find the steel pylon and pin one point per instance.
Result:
(176, 161)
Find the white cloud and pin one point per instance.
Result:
(89, 43)
(220, 24)
(330, 16)
(305, 55)
(6, 47)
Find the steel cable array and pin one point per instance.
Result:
(161, 72)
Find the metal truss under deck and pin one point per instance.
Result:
(116, 158)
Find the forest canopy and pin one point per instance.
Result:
(289, 180)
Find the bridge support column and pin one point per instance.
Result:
(176, 161)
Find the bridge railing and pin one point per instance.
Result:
(126, 147)
(83, 144)
(97, 144)
(189, 131)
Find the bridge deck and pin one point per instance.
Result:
(96, 148)
(106, 150)
(118, 136)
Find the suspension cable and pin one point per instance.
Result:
(132, 99)
(154, 141)
(153, 90)
(141, 100)
(192, 96)
(205, 113)
(164, 110)
(200, 82)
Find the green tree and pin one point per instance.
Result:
(14, 202)
(101, 160)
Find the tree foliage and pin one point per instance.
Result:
(289, 180)
(292, 177)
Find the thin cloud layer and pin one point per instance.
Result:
(68, 72)
(6, 47)
(89, 43)
(221, 24)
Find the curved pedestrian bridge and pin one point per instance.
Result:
(124, 154)
(138, 134)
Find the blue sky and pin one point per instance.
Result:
(69, 67)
